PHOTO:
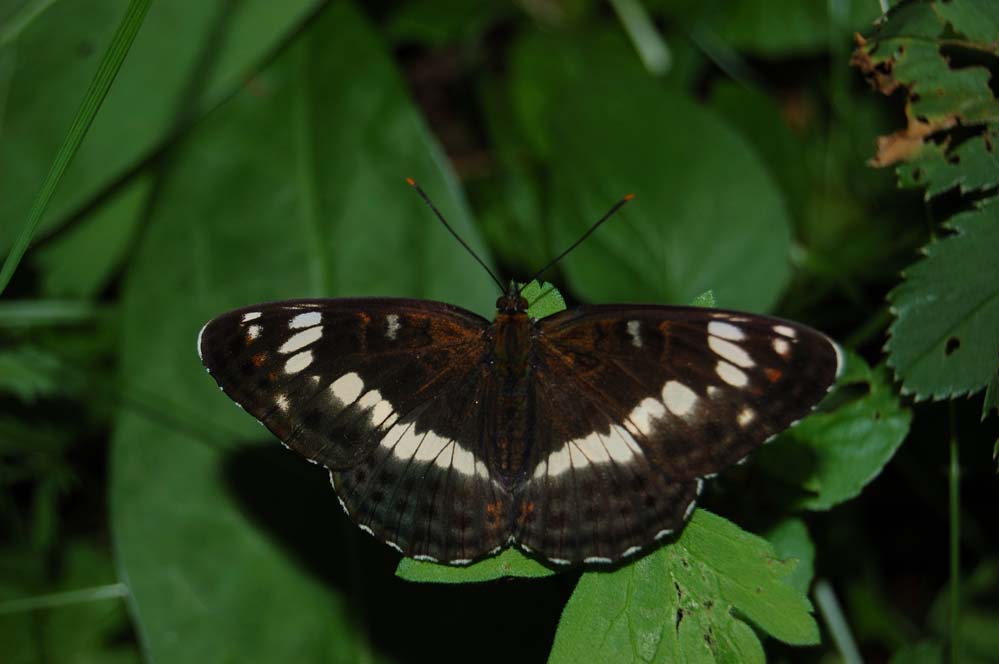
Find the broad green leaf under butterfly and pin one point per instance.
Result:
(832, 454)
(945, 339)
(687, 602)
(312, 207)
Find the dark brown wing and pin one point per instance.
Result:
(642, 402)
(387, 394)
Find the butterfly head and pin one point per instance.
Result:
(511, 302)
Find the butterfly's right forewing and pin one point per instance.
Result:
(385, 393)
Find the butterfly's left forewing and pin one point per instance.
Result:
(646, 401)
(384, 393)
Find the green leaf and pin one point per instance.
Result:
(294, 187)
(544, 299)
(907, 51)
(705, 299)
(944, 339)
(81, 262)
(509, 563)
(167, 83)
(106, 72)
(687, 602)
(679, 236)
(791, 541)
(835, 452)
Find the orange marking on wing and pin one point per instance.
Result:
(525, 511)
(773, 375)
(272, 376)
(494, 513)
(259, 359)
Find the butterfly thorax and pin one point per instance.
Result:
(511, 334)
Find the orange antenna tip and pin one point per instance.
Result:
(411, 182)
(628, 197)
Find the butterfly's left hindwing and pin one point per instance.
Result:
(379, 391)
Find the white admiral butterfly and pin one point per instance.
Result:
(584, 436)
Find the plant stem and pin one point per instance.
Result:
(954, 478)
(836, 623)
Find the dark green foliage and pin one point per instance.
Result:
(252, 151)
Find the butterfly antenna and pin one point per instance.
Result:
(610, 213)
(426, 199)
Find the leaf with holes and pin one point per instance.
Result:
(689, 601)
(831, 455)
(909, 51)
(945, 340)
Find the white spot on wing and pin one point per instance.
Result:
(593, 448)
(392, 321)
(634, 330)
(631, 550)
(731, 375)
(558, 461)
(745, 417)
(253, 332)
(643, 415)
(298, 362)
(679, 398)
(786, 331)
(200, 333)
(347, 388)
(726, 331)
(299, 340)
(281, 402)
(307, 319)
(618, 446)
(781, 346)
(597, 560)
(253, 315)
(730, 352)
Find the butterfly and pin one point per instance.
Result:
(581, 437)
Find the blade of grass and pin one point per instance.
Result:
(644, 35)
(97, 593)
(29, 313)
(106, 72)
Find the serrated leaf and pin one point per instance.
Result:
(835, 452)
(294, 187)
(543, 299)
(945, 339)
(705, 299)
(28, 374)
(906, 51)
(508, 563)
(687, 602)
